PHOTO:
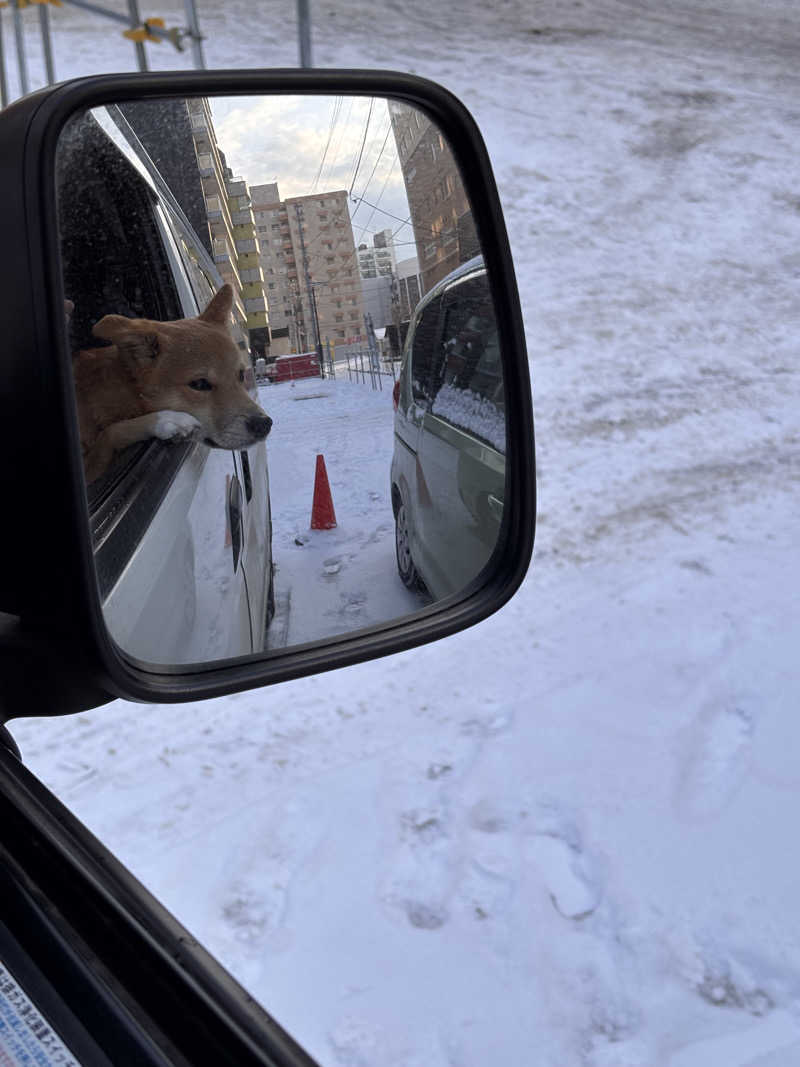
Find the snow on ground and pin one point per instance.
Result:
(328, 582)
(565, 836)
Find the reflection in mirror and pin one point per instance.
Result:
(288, 378)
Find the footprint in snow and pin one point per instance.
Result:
(716, 762)
(422, 876)
(556, 847)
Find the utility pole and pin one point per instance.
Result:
(396, 316)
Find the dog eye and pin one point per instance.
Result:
(201, 384)
(241, 375)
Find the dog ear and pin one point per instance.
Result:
(136, 343)
(219, 308)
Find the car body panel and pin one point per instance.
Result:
(449, 465)
(184, 594)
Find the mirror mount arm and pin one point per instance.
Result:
(42, 675)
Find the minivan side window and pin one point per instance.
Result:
(468, 388)
(423, 353)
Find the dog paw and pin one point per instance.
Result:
(169, 425)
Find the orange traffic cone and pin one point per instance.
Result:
(323, 516)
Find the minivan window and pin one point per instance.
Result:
(467, 388)
(423, 353)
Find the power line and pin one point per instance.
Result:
(378, 158)
(363, 142)
(337, 107)
(338, 145)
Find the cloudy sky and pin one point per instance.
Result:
(320, 144)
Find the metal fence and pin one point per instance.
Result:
(138, 31)
(364, 364)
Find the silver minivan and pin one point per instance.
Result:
(182, 533)
(448, 463)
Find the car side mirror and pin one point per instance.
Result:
(225, 290)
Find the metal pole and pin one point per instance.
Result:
(136, 22)
(197, 38)
(304, 32)
(330, 357)
(47, 44)
(3, 82)
(125, 20)
(22, 65)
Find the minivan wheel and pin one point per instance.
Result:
(405, 564)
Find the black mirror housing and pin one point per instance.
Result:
(57, 653)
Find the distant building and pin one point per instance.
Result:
(308, 256)
(441, 215)
(379, 258)
(377, 266)
(279, 268)
(409, 283)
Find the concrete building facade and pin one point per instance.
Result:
(234, 238)
(310, 267)
(279, 268)
(441, 215)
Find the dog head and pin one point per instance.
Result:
(191, 365)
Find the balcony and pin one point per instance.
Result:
(246, 245)
(243, 218)
(257, 320)
(255, 303)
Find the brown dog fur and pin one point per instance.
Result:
(167, 380)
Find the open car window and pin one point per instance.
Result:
(118, 257)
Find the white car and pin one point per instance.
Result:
(182, 533)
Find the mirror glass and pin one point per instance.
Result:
(287, 373)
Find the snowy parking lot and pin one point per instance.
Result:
(328, 582)
(567, 835)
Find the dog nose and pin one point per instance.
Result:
(259, 425)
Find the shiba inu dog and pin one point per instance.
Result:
(164, 379)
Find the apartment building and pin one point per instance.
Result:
(328, 279)
(441, 215)
(378, 259)
(234, 238)
(310, 267)
(279, 269)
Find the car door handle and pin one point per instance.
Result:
(235, 518)
(495, 506)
